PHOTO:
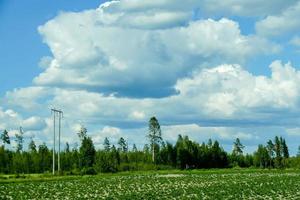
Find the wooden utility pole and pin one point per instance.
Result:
(60, 115)
(53, 151)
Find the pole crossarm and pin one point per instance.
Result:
(57, 111)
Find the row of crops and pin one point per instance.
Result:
(237, 185)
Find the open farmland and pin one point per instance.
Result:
(219, 184)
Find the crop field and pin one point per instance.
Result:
(218, 184)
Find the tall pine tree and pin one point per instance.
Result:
(5, 138)
(154, 135)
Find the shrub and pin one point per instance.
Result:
(88, 171)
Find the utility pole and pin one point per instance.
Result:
(60, 115)
(53, 159)
(59, 129)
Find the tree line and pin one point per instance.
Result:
(158, 154)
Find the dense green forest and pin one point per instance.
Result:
(158, 154)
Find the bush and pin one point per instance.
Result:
(126, 167)
(88, 171)
(73, 172)
(20, 176)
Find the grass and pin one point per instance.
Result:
(176, 184)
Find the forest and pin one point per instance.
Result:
(157, 154)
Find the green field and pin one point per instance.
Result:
(198, 184)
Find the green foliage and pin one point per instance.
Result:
(87, 152)
(184, 154)
(123, 146)
(273, 154)
(5, 160)
(20, 140)
(154, 136)
(237, 147)
(107, 161)
(106, 144)
(277, 148)
(192, 155)
(82, 133)
(134, 148)
(285, 150)
(294, 162)
(261, 157)
(5, 138)
(44, 158)
(193, 184)
(88, 171)
(32, 146)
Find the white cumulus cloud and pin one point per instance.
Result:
(98, 50)
(286, 22)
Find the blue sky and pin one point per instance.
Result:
(21, 45)
(205, 69)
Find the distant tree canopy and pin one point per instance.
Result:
(274, 154)
(157, 154)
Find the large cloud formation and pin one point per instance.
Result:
(129, 53)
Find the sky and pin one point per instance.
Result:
(204, 68)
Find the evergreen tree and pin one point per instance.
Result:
(87, 152)
(5, 165)
(45, 158)
(154, 135)
(75, 157)
(216, 150)
(67, 149)
(147, 155)
(171, 154)
(66, 158)
(248, 160)
(106, 144)
(122, 145)
(237, 147)
(209, 143)
(134, 149)
(284, 153)
(261, 157)
(277, 147)
(285, 150)
(32, 146)
(82, 133)
(182, 153)
(146, 149)
(20, 140)
(115, 157)
(185, 152)
(270, 147)
(5, 138)
(32, 157)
